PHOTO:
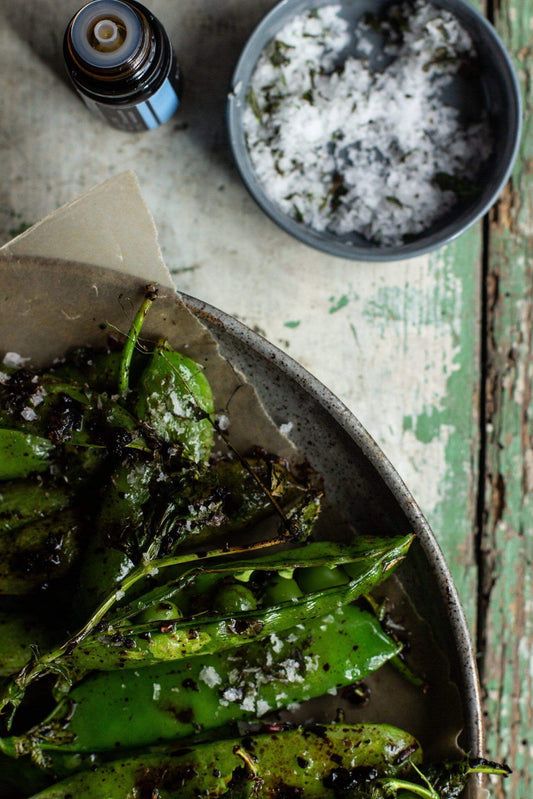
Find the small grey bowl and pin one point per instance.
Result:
(500, 94)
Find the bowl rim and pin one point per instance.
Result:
(453, 229)
(473, 727)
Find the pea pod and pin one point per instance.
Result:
(23, 501)
(227, 497)
(22, 454)
(125, 644)
(65, 412)
(52, 662)
(174, 701)
(174, 397)
(117, 540)
(98, 370)
(203, 505)
(38, 552)
(20, 629)
(300, 760)
(108, 640)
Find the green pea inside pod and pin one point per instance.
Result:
(165, 610)
(317, 578)
(281, 589)
(233, 598)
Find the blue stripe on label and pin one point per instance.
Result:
(160, 106)
(165, 101)
(149, 119)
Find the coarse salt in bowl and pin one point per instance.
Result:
(374, 130)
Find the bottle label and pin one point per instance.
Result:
(146, 115)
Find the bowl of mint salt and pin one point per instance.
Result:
(374, 130)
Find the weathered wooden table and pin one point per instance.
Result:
(433, 355)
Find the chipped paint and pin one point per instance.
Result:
(339, 303)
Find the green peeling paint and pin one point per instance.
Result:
(426, 426)
(453, 519)
(342, 302)
(292, 324)
(445, 307)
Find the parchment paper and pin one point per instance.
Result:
(108, 226)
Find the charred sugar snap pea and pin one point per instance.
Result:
(41, 551)
(118, 541)
(231, 496)
(127, 643)
(299, 761)
(112, 638)
(174, 397)
(22, 454)
(98, 370)
(21, 628)
(175, 701)
(24, 501)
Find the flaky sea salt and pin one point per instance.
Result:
(286, 428)
(262, 707)
(342, 145)
(14, 361)
(210, 676)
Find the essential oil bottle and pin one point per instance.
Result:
(121, 62)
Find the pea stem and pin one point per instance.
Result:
(131, 341)
(392, 786)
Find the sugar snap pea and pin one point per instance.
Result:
(21, 627)
(293, 762)
(125, 643)
(116, 543)
(23, 501)
(108, 640)
(174, 397)
(40, 551)
(174, 701)
(229, 496)
(94, 369)
(22, 454)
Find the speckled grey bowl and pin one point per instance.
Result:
(83, 303)
(500, 94)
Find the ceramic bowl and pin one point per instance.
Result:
(497, 88)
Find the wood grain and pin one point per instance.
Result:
(505, 621)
